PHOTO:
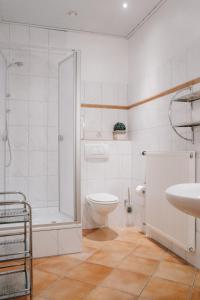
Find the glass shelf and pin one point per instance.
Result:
(14, 284)
(189, 98)
(185, 125)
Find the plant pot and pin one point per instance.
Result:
(119, 135)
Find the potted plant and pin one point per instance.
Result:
(119, 131)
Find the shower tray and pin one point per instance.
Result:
(15, 247)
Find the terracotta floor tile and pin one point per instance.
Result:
(93, 244)
(101, 293)
(67, 288)
(197, 280)
(125, 281)
(161, 289)
(195, 294)
(103, 234)
(90, 273)
(85, 254)
(119, 246)
(130, 236)
(172, 257)
(42, 280)
(153, 252)
(107, 258)
(176, 272)
(59, 265)
(28, 298)
(138, 264)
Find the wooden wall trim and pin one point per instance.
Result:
(146, 100)
(166, 92)
(125, 107)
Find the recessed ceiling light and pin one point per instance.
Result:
(72, 13)
(125, 5)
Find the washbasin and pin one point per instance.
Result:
(185, 197)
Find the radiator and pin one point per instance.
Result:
(164, 169)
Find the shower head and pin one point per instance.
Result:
(16, 63)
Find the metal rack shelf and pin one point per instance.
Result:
(15, 248)
(14, 284)
(186, 125)
(190, 97)
(13, 215)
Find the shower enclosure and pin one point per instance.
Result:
(39, 131)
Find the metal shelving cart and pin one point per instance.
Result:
(15, 246)
(189, 98)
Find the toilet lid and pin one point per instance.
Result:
(103, 198)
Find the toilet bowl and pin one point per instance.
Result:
(100, 206)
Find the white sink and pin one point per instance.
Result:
(185, 197)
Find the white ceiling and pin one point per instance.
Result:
(99, 16)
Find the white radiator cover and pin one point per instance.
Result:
(163, 221)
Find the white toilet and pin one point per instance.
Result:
(100, 206)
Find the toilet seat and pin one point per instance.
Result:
(102, 198)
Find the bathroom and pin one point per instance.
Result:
(91, 171)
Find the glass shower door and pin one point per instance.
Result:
(69, 195)
(2, 120)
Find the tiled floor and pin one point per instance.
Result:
(120, 264)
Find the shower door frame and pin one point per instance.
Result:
(76, 54)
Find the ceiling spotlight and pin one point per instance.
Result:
(72, 13)
(125, 5)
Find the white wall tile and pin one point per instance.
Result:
(52, 163)
(95, 170)
(38, 138)
(112, 167)
(57, 39)
(122, 94)
(125, 166)
(19, 137)
(52, 114)
(38, 190)
(52, 139)
(53, 90)
(18, 113)
(38, 163)
(54, 59)
(37, 113)
(52, 189)
(4, 32)
(109, 93)
(39, 63)
(109, 118)
(19, 34)
(39, 37)
(19, 55)
(38, 88)
(93, 92)
(18, 87)
(93, 119)
(19, 166)
(18, 184)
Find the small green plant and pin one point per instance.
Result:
(119, 126)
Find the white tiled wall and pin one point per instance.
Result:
(149, 127)
(98, 123)
(33, 99)
(33, 117)
(110, 176)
